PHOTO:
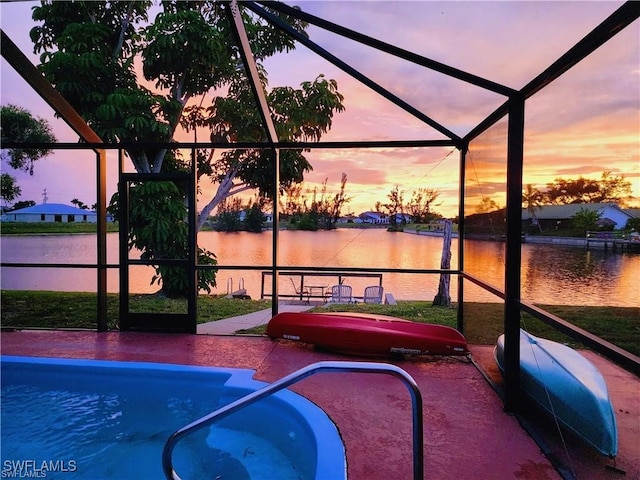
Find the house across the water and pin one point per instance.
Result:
(373, 217)
(551, 217)
(52, 212)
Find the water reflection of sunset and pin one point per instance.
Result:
(550, 274)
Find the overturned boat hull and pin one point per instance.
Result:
(367, 334)
(567, 386)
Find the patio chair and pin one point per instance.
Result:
(301, 291)
(341, 294)
(373, 294)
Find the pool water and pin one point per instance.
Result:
(110, 420)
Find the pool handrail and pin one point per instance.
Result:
(312, 369)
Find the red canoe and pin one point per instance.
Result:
(367, 334)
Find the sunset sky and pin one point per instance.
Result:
(586, 122)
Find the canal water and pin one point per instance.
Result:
(551, 274)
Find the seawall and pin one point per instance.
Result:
(566, 241)
(592, 243)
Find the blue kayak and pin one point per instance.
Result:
(569, 387)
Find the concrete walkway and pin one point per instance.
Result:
(229, 326)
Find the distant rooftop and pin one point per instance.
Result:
(53, 209)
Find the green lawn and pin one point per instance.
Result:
(41, 309)
(51, 228)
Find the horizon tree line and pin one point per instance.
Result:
(316, 209)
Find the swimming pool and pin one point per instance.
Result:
(109, 420)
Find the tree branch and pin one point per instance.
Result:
(126, 21)
(140, 162)
(176, 93)
(224, 190)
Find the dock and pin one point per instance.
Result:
(614, 240)
(312, 285)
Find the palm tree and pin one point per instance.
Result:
(532, 200)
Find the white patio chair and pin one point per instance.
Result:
(341, 294)
(373, 294)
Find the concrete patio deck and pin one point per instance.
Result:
(467, 434)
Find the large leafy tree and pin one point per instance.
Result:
(10, 190)
(614, 188)
(106, 57)
(610, 188)
(20, 126)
